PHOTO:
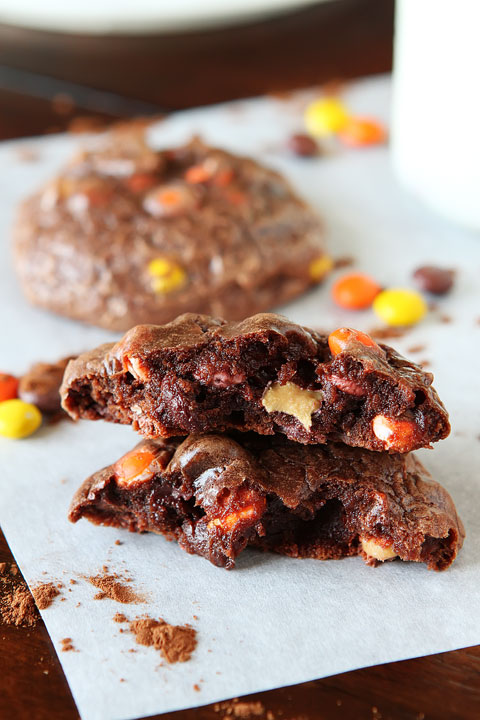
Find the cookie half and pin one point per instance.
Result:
(266, 374)
(217, 494)
(128, 235)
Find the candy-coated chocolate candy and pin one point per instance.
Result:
(166, 275)
(197, 174)
(18, 419)
(302, 145)
(169, 201)
(319, 267)
(134, 467)
(8, 387)
(339, 339)
(325, 116)
(355, 291)
(400, 306)
(435, 280)
(395, 433)
(360, 132)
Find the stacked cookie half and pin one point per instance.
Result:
(264, 433)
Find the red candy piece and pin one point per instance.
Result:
(341, 338)
(8, 387)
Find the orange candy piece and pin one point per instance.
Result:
(229, 521)
(362, 131)
(396, 434)
(133, 465)
(8, 387)
(355, 291)
(197, 174)
(340, 339)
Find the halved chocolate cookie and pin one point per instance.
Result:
(216, 494)
(266, 374)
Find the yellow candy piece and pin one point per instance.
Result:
(319, 267)
(400, 306)
(166, 275)
(325, 117)
(18, 419)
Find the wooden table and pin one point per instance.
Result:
(47, 80)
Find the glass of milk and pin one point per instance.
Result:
(436, 105)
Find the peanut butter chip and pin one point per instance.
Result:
(293, 400)
(379, 552)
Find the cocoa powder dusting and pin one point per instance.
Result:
(67, 645)
(242, 709)
(387, 333)
(119, 618)
(17, 606)
(44, 594)
(176, 643)
(110, 586)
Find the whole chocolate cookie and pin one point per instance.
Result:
(129, 235)
(217, 494)
(266, 374)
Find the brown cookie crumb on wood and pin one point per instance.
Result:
(176, 643)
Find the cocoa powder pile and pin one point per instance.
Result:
(111, 586)
(16, 603)
(176, 643)
(67, 645)
(44, 594)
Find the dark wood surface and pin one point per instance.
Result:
(48, 82)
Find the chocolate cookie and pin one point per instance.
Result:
(128, 235)
(266, 374)
(217, 494)
(41, 385)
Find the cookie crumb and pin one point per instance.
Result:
(388, 333)
(196, 687)
(416, 348)
(343, 262)
(118, 542)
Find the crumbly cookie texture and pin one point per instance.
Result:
(217, 494)
(129, 235)
(266, 374)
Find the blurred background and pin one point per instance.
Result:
(77, 66)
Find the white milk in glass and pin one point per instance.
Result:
(436, 104)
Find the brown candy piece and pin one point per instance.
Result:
(435, 280)
(41, 384)
(303, 145)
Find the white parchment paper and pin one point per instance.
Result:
(273, 621)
